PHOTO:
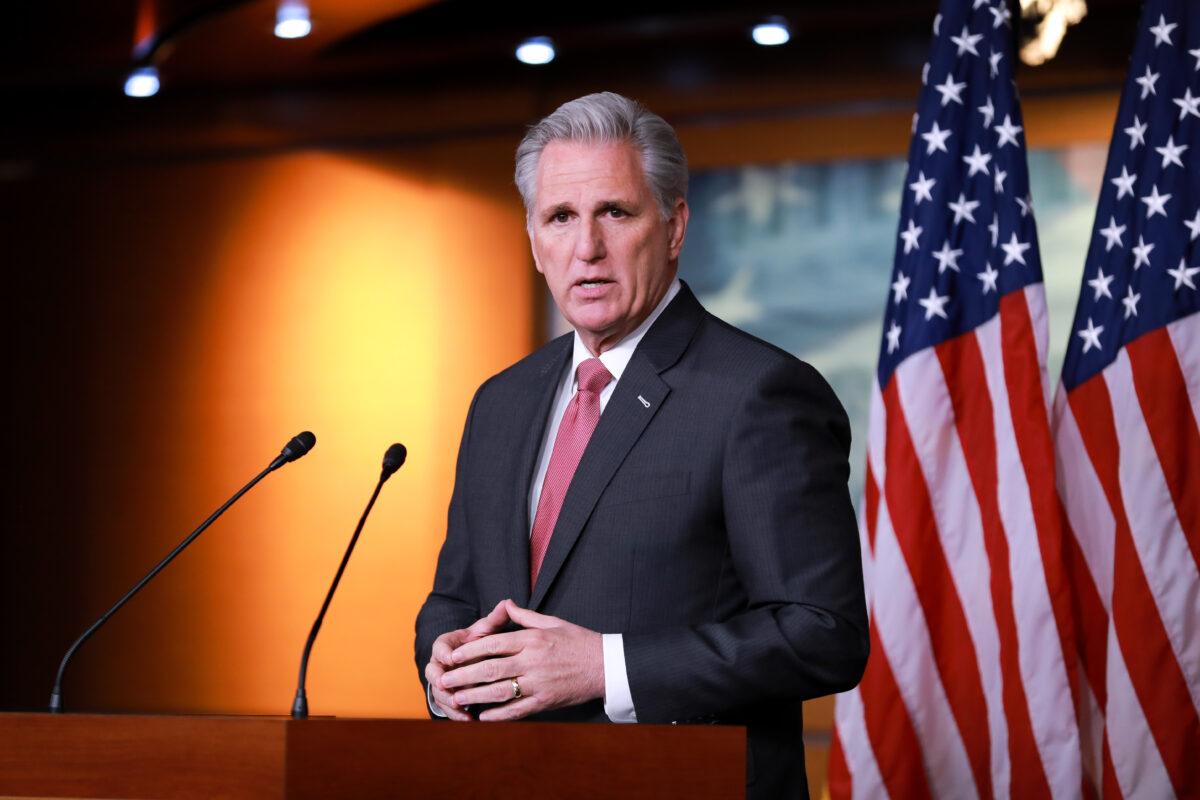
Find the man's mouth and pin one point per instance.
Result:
(591, 284)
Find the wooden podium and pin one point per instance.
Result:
(118, 756)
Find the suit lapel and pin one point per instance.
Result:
(637, 398)
(540, 397)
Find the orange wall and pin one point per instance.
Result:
(236, 303)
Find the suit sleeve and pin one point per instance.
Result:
(453, 603)
(794, 547)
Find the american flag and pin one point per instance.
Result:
(968, 690)
(1125, 429)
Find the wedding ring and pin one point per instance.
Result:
(516, 689)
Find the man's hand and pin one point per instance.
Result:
(440, 660)
(556, 664)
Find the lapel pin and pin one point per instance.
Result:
(645, 402)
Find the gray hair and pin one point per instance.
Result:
(607, 117)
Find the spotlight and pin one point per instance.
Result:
(292, 20)
(538, 50)
(772, 32)
(142, 82)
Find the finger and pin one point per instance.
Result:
(517, 709)
(451, 709)
(489, 670)
(495, 620)
(531, 619)
(444, 645)
(498, 644)
(498, 692)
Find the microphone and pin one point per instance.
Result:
(294, 449)
(393, 459)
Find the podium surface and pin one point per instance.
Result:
(134, 756)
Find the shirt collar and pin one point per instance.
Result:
(617, 358)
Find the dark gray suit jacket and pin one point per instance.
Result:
(713, 529)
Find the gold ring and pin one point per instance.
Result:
(516, 689)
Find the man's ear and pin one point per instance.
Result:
(677, 229)
(533, 249)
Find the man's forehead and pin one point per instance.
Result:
(568, 166)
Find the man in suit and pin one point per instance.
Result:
(650, 520)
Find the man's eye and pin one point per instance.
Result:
(617, 213)
(560, 216)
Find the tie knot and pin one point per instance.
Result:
(592, 376)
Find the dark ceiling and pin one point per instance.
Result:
(63, 63)
(84, 45)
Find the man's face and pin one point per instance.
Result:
(600, 240)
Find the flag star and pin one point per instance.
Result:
(1147, 82)
(1112, 234)
(1026, 204)
(978, 162)
(1141, 254)
(1014, 250)
(950, 91)
(1137, 133)
(1193, 225)
(1008, 132)
(994, 63)
(916, 119)
(994, 228)
(1090, 336)
(1124, 183)
(936, 137)
(1171, 152)
(1100, 284)
(1196, 55)
(1155, 203)
(989, 112)
(1188, 104)
(893, 337)
(1182, 275)
(963, 208)
(998, 180)
(911, 236)
(925, 74)
(1130, 301)
(947, 258)
(900, 288)
(937, 25)
(966, 42)
(934, 305)
(977, 3)
(1162, 31)
(988, 276)
(1000, 14)
(921, 188)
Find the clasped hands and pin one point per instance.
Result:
(554, 662)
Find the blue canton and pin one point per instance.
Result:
(1142, 270)
(967, 234)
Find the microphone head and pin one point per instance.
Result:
(393, 459)
(299, 446)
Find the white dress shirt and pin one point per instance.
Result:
(618, 700)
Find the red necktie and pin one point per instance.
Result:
(578, 422)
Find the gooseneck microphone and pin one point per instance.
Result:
(298, 446)
(393, 459)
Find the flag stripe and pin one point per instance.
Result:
(1185, 336)
(1153, 671)
(858, 775)
(966, 379)
(908, 500)
(903, 632)
(1137, 768)
(890, 729)
(1166, 562)
(1162, 393)
(837, 776)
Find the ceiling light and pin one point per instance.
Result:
(292, 20)
(772, 32)
(142, 82)
(538, 50)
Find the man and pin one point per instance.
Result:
(650, 520)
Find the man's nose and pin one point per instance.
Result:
(589, 244)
